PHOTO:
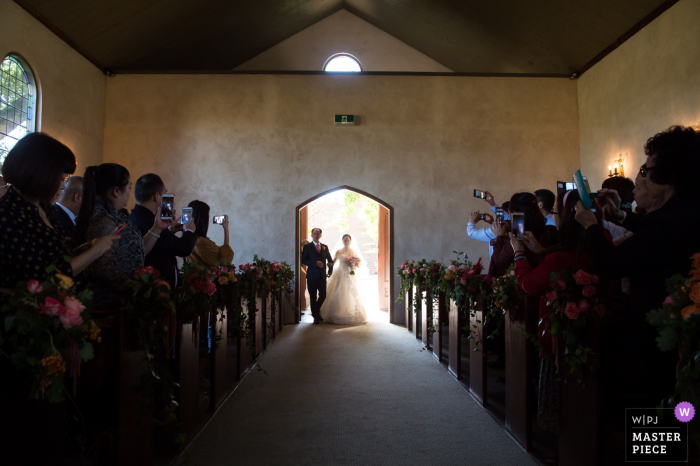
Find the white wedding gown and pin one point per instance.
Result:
(343, 304)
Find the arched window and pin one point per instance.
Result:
(17, 103)
(342, 62)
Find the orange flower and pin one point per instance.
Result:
(66, 282)
(689, 311)
(696, 260)
(695, 293)
(223, 280)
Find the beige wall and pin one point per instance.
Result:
(71, 88)
(343, 32)
(648, 84)
(256, 146)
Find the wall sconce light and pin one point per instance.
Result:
(619, 170)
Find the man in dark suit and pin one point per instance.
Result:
(68, 204)
(149, 191)
(315, 256)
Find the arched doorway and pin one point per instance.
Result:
(385, 256)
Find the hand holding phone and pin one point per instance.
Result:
(219, 219)
(167, 207)
(517, 220)
(186, 215)
(480, 194)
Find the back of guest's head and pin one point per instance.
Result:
(571, 233)
(36, 166)
(527, 204)
(677, 161)
(98, 182)
(74, 185)
(200, 215)
(547, 198)
(148, 186)
(625, 188)
(505, 206)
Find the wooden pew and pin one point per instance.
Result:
(187, 377)
(408, 300)
(519, 358)
(426, 301)
(245, 358)
(416, 315)
(454, 365)
(218, 356)
(438, 322)
(477, 359)
(258, 318)
(266, 320)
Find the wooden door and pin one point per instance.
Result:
(303, 235)
(383, 266)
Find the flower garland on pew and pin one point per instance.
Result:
(504, 296)
(429, 273)
(574, 305)
(150, 312)
(195, 295)
(250, 278)
(228, 297)
(406, 273)
(48, 330)
(282, 283)
(678, 324)
(462, 282)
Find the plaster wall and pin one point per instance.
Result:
(256, 146)
(648, 84)
(343, 32)
(71, 89)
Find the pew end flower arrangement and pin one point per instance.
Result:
(150, 314)
(47, 331)
(462, 282)
(195, 295)
(575, 307)
(504, 297)
(678, 325)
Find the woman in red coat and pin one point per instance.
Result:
(567, 254)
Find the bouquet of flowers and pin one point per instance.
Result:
(462, 280)
(352, 262)
(678, 324)
(47, 331)
(573, 303)
(196, 294)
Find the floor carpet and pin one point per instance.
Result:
(352, 395)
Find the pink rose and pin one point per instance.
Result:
(582, 277)
(52, 307)
(561, 284)
(583, 305)
(552, 296)
(595, 279)
(33, 286)
(211, 289)
(71, 317)
(571, 311)
(224, 269)
(668, 300)
(588, 291)
(414, 271)
(463, 280)
(217, 273)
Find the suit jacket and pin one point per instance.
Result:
(163, 256)
(310, 256)
(65, 220)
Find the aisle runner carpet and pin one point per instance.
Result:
(352, 395)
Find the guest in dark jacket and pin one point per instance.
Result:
(149, 192)
(656, 251)
(68, 205)
(502, 256)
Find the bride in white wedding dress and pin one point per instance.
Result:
(343, 304)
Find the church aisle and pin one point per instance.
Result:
(352, 395)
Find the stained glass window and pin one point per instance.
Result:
(17, 104)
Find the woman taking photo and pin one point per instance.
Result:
(206, 252)
(106, 191)
(31, 236)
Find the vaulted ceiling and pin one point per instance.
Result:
(549, 37)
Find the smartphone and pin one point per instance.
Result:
(584, 191)
(480, 194)
(167, 207)
(186, 215)
(120, 229)
(517, 221)
(481, 217)
(500, 215)
(219, 219)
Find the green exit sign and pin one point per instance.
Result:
(345, 120)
